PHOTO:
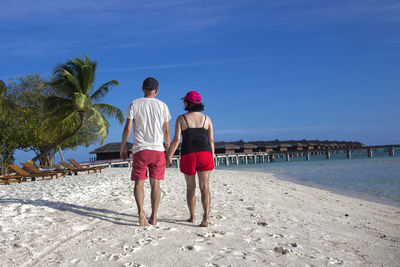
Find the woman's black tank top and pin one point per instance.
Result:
(195, 139)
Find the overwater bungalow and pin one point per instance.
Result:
(225, 148)
(244, 147)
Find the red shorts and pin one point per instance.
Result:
(197, 161)
(151, 159)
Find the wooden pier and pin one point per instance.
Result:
(227, 159)
(266, 157)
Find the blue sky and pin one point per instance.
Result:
(327, 70)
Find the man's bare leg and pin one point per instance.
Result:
(191, 195)
(204, 179)
(155, 199)
(139, 197)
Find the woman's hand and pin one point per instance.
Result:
(169, 161)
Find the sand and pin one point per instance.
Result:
(256, 220)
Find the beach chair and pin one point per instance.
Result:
(31, 176)
(57, 167)
(71, 168)
(10, 178)
(82, 168)
(31, 166)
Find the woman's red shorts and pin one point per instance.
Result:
(196, 161)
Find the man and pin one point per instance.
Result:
(150, 118)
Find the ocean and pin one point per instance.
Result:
(375, 179)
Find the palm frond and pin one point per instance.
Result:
(110, 111)
(100, 122)
(65, 125)
(81, 101)
(72, 79)
(87, 79)
(53, 103)
(103, 90)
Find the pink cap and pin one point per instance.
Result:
(193, 97)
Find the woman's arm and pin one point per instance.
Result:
(211, 136)
(175, 141)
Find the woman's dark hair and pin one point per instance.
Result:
(193, 106)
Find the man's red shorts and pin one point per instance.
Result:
(148, 159)
(196, 161)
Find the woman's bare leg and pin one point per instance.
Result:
(191, 195)
(204, 180)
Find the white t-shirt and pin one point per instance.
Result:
(149, 115)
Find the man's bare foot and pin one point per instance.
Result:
(153, 221)
(143, 221)
(192, 219)
(203, 224)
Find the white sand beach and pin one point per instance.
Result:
(256, 220)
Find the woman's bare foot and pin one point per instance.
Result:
(192, 219)
(203, 224)
(153, 221)
(143, 221)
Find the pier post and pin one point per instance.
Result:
(328, 154)
(237, 160)
(272, 158)
(247, 160)
(227, 160)
(348, 154)
(370, 153)
(255, 158)
(287, 156)
(267, 157)
(391, 151)
(308, 156)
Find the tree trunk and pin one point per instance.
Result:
(61, 154)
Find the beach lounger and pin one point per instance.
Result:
(31, 176)
(35, 169)
(10, 178)
(57, 167)
(71, 168)
(80, 167)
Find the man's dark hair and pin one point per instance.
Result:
(150, 84)
(193, 106)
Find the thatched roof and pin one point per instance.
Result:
(224, 145)
(110, 148)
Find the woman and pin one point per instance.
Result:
(197, 152)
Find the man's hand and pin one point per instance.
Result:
(122, 153)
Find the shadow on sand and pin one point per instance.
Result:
(101, 214)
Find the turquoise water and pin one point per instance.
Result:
(376, 179)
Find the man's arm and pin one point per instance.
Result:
(125, 136)
(167, 135)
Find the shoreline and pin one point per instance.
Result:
(297, 179)
(256, 219)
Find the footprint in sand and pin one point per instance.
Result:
(282, 250)
(275, 235)
(262, 223)
(335, 261)
(190, 248)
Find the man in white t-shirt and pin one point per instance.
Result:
(150, 118)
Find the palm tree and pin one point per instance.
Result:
(76, 100)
